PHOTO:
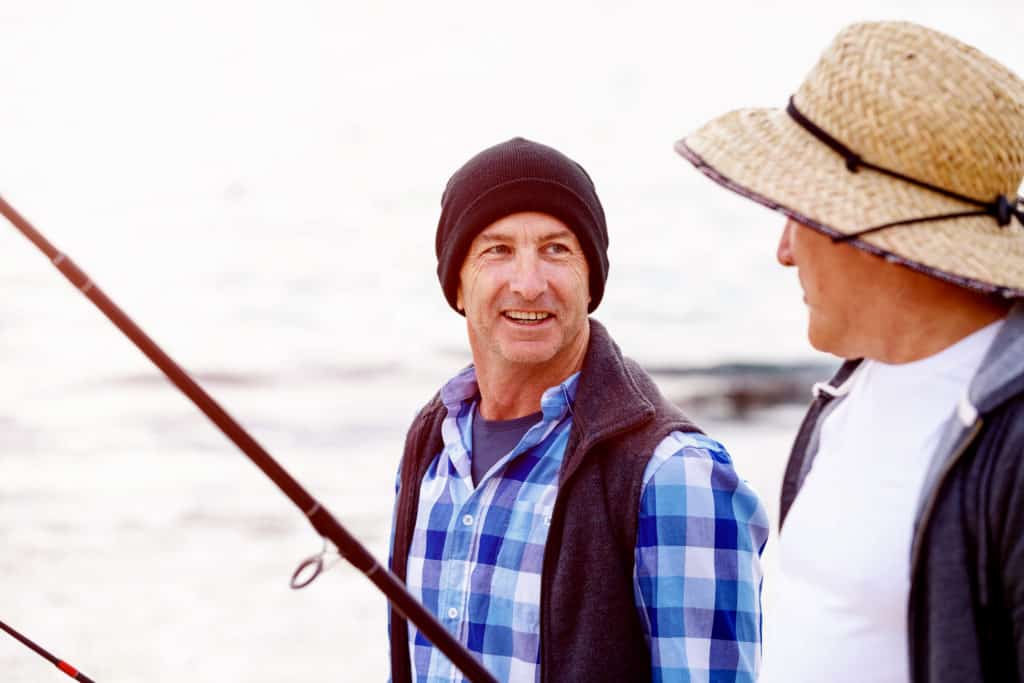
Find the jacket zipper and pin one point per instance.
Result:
(933, 497)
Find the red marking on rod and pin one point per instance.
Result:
(68, 669)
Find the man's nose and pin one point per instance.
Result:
(528, 280)
(784, 252)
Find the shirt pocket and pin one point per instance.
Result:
(529, 523)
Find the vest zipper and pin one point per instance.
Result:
(545, 578)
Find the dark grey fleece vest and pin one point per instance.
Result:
(589, 627)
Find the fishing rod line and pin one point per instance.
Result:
(59, 663)
(319, 517)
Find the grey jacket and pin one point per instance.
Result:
(966, 609)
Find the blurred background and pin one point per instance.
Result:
(257, 185)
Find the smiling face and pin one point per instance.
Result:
(524, 289)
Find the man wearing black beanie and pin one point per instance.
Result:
(560, 517)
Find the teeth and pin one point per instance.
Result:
(526, 315)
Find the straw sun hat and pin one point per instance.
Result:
(896, 123)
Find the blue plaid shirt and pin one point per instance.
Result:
(476, 553)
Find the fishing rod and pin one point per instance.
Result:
(59, 663)
(319, 516)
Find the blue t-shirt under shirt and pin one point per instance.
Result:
(494, 439)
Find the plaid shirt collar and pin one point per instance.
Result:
(461, 395)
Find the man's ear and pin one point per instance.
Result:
(458, 300)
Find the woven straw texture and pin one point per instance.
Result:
(906, 98)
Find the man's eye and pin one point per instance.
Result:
(557, 248)
(498, 250)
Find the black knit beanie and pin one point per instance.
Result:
(513, 176)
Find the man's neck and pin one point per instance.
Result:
(925, 327)
(508, 391)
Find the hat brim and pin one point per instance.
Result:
(764, 155)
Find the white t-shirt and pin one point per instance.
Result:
(840, 611)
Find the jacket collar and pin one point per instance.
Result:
(1001, 375)
(841, 382)
(1000, 378)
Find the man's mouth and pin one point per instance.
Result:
(526, 317)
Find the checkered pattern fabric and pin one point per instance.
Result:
(698, 571)
(476, 553)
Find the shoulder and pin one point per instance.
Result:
(424, 431)
(428, 412)
(680, 446)
(692, 475)
(692, 463)
(686, 456)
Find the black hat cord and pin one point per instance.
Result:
(1002, 209)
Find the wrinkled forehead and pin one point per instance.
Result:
(526, 227)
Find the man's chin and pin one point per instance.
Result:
(827, 341)
(528, 352)
(817, 340)
(526, 357)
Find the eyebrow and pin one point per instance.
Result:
(507, 237)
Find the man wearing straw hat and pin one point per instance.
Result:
(556, 513)
(897, 163)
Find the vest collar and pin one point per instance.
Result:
(459, 393)
(608, 402)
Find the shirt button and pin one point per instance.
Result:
(467, 520)
(452, 613)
